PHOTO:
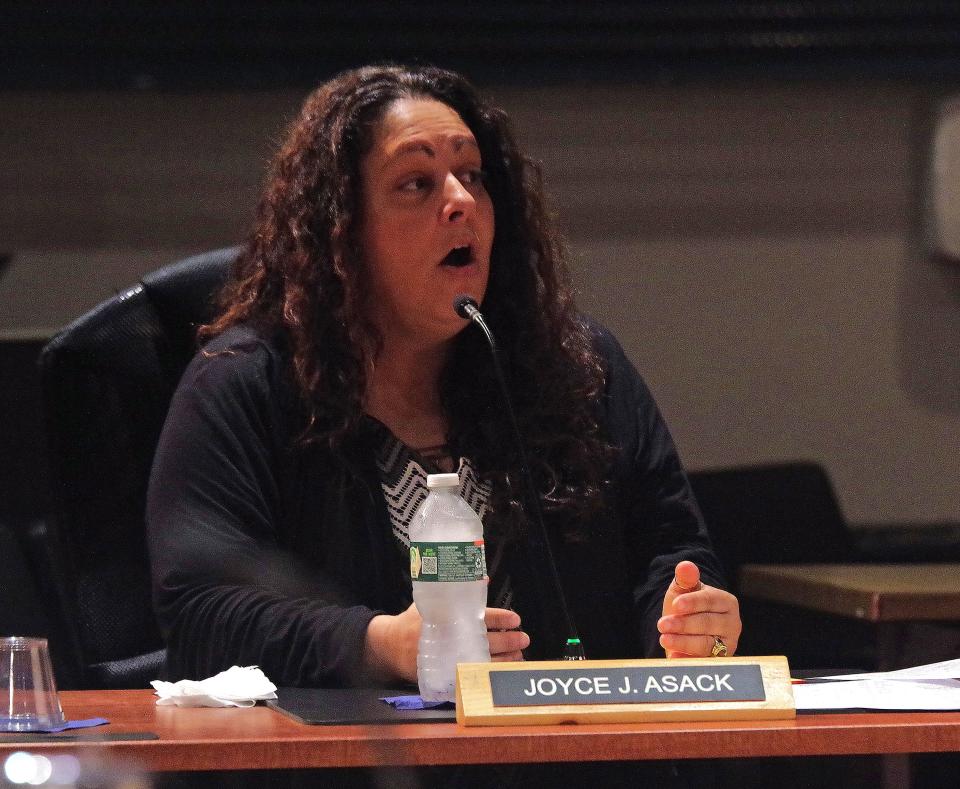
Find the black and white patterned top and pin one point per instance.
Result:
(403, 478)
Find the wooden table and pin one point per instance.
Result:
(259, 738)
(891, 596)
(874, 592)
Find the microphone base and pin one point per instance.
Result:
(573, 650)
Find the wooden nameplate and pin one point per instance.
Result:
(621, 691)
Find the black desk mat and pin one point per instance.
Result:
(342, 706)
(339, 706)
(74, 737)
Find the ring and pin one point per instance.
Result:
(719, 649)
(683, 588)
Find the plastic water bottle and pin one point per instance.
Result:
(449, 573)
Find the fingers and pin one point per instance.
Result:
(501, 619)
(687, 646)
(708, 599)
(507, 642)
(689, 626)
(686, 577)
(686, 580)
(695, 624)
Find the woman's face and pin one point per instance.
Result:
(427, 224)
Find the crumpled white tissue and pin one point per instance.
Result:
(236, 687)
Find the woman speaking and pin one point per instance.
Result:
(337, 374)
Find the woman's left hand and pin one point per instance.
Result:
(696, 615)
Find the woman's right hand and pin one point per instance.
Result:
(507, 640)
(390, 650)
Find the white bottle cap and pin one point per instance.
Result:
(443, 481)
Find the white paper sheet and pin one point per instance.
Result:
(879, 694)
(947, 669)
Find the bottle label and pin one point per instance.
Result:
(447, 561)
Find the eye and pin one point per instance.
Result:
(416, 183)
(473, 175)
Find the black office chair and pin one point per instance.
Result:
(783, 513)
(21, 613)
(107, 380)
(27, 596)
(779, 513)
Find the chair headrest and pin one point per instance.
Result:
(184, 293)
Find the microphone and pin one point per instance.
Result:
(467, 308)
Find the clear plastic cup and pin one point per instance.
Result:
(28, 693)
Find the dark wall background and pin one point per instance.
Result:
(186, 45)
(742, 184)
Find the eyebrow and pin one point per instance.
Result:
(418, 146)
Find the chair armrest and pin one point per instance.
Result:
(20, 611)
(46, 566)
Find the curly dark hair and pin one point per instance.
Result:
(300, 278)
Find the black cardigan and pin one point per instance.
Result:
(264, 553)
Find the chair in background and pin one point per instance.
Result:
(21, 613)
(25, 596)
(784, 513)
(107, 380)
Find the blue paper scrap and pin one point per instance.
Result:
(74, 725)
(414, 703)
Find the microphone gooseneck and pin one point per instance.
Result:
(467, 308)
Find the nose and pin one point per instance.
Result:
(458, 203)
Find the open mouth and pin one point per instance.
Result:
(458, 257)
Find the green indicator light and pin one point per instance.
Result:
(573, 650)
